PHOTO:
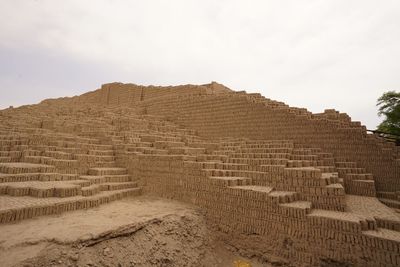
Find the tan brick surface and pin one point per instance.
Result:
(272, 178)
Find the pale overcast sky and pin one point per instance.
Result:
(316, 54)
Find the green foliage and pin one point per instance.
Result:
(389, 106)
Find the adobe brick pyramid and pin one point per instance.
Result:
(273, 179)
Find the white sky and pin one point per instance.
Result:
(317, 54)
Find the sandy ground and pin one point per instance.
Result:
(141, 231)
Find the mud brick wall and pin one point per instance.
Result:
(237, 115)
(71, 157)
(215, 111)
(50, 206)
(165, 175)
(259, 223)
(307, 183)
(289, 221)
(116, 94)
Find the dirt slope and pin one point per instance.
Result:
(142, 231)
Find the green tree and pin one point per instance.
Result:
(389, 106)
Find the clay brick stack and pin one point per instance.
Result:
(45, 172)
(274, 180)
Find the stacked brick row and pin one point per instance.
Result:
(288, 227)
(237, 116)
(57, 206)
(280, 222)
(43, 171)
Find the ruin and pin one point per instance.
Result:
(310, 188)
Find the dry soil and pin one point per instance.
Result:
(141, 231)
